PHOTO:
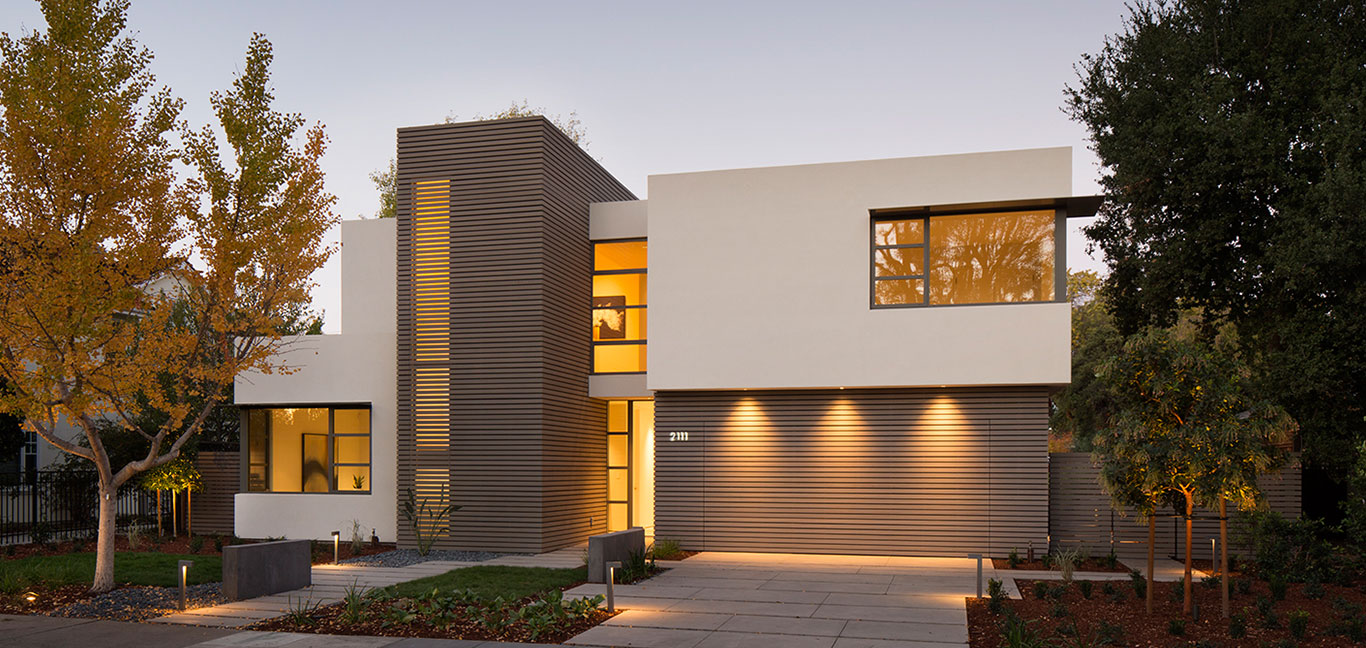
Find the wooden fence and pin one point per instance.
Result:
(222, 474)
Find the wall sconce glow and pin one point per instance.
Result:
(184, 566)
(336, 547)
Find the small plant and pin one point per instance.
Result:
(1056, 592)
(1019, 633)
(1176, 627)
(1085, 588)
(353, 602)
(1047, 560)
(134, 537)
(1237, 626)
(11, 583)
(1107, 588)
(996, 593)
(1267, 608)
(1111, 561)
(1177, 592)
(1313, 590)
(196, 544)
(666, 549)
(1139, 583)
(1067, 563)
(357, 538)
(218, 544)
(1118, 597)
(1013, 558)
(301, 611)
(1210, 582)
(1298, 621)
(427, 522)
(1058, 610)
(1040, 590)
(358, 482)
(1110, 634)
(1243, 585)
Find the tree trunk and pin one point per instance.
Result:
(189, 514)
(1223, 553)
(159, 528)
(1152, 542)
(104, 544)
(175, 530)
(1186, 603)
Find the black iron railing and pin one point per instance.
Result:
(39, 506)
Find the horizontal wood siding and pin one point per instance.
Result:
(1080, 514)
(937, 472)
(493, 413)
(222, 475)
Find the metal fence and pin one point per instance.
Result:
(63, 505)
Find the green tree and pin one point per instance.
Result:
(176, 477)
(1184, 423)
(386, 179)
(1230, 135)
(127, 289)
(1080, 409)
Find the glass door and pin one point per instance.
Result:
(630, 465)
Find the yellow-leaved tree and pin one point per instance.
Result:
(126, 288)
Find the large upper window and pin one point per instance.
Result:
(619, 301)
(308, 450)
(984, 258)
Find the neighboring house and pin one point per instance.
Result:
(847, 357)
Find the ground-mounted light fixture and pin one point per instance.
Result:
(336, 547)
(1214, 557)
(184, 569)
(612, 568)
(30, 596)
(979, 572)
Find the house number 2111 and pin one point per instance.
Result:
(678, 436)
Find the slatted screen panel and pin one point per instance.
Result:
(876, 471)
(493, 335)
(213, 508)
(1080, 515)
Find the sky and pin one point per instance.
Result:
(659, 87)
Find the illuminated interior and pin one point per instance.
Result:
(986, 258)
(619, 315)
(630, 465)
(308, 450)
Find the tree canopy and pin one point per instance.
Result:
(1082, 408)
(1230, 135)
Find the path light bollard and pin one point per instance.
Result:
(1030, 558)
(1214, 558)
(184, 568)
(612, 568)
(336, 547)
(979, 573)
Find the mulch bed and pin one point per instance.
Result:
(46, 599)
(1330, 616)
(328, 620)
(1091, 565)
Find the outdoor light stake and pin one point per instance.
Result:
(184, 567)
(979, 572)
(1214, 557)
(612, 568)
(336, 547)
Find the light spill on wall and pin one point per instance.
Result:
(432, 321)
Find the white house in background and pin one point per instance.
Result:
(845, 357)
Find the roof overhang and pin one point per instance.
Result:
(1074, 206)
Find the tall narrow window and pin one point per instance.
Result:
(619, 313)
(981, 258)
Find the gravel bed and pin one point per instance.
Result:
(405, 557)
(141, 603)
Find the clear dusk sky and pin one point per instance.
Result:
(659, 87)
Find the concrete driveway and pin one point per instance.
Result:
(716, 600)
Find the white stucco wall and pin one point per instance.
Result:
(354, 366)
(759, 278)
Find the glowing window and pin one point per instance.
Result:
(984, 258)
(308, 450)
(618, 312)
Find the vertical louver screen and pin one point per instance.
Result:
(431, 250)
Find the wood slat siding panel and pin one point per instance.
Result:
(937, 472)
(524, 450)
(1080, 515)
(222, 475)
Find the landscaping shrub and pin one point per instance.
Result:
(1176, 627)
(1040, 590)
(1299, 623)
(1243, 586)
(1237, 626)
(1019, 633)
(218, 544)
(1277, 586)
(666, 549)
(1176, 592)
(1085, 588)
(996, 593)
(1056, 592)
(1058, 610)
(1013, 558)
(1313, 590)
(1139, 583)
(1210, 582)
(196, 544)
(1267, 608)
(1111, 561)
(1067, 563)
(1107, 588)
(1110, 634)
(1295, 548)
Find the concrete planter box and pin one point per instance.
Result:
(617, 546)
(266, 568)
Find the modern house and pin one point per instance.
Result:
(851, 357)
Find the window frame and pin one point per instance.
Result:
(925, 215)
(594, 344)
(244, 413)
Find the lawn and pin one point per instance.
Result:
(137, 568)
(490, 581)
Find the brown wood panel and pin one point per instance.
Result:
(872, 471)
(1080, 514)
(504, 426)
(222, 475)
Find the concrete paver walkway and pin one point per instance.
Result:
(715, 600)
(330, 583)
